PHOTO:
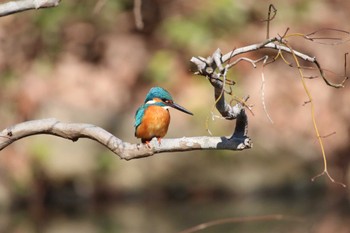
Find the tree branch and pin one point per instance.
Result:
(23, 5)
(207, 66)
(125, 150)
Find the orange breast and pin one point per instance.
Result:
(155, 123)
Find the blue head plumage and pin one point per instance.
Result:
(158, 92)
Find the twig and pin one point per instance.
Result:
(276, 217)
(138, 14)
(328, 135)
(23, 5)
(345, 63)
(312, 108)
(243, 102)
(338, 40)
(253, 62)
(125, 150)
(263, 94)
(98, 6)
(270, 18)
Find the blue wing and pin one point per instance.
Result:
(139, 114)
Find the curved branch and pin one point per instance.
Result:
(125, 150)
(23, 5)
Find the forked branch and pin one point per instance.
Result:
(207, 66)
(215, 70)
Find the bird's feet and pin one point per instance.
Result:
(148, 144)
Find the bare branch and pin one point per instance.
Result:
(270, 18)
(274, 217)
(138, 14)
(98, 6)
(125, 150)
(23, 5)
(268, 44)
(206, 67)
(345, 62)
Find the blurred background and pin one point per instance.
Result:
(85, 61)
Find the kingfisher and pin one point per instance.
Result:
(152, 118)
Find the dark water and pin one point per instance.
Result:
(296, 214)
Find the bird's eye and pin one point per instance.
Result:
(165, 100)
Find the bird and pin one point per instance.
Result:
(152, 118)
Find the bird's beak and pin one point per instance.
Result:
(180, 108)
